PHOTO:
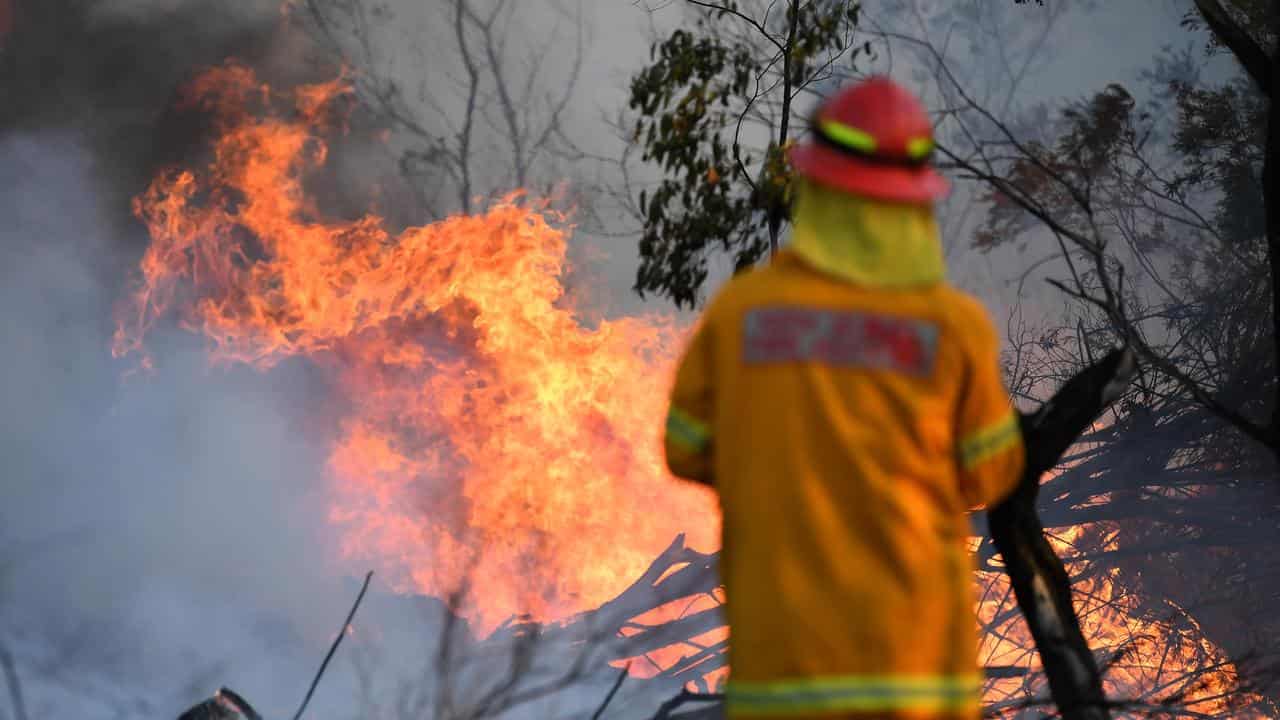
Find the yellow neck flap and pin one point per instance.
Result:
(867, 241)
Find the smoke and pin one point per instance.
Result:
(159, 534)
(163, 533)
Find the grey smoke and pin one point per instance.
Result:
(160, 534)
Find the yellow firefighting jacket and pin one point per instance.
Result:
(848, 406)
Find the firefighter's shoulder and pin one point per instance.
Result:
(967, 314)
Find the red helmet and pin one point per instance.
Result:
(873, 139)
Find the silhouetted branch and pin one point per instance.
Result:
(334, 647)
(622, 676)
(685, 697)
(1040, 581)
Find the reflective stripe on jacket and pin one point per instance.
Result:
(848, 429)
(859, 694)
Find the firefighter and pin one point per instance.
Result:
(847, 405)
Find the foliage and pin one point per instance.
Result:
(1174, 192)
(1221, 137)
(715, 114)
(1179, 190)
(1257, 15)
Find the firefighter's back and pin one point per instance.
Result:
(848, 405)
(844, 526)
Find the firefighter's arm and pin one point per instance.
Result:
(989, 439)
(689, 431)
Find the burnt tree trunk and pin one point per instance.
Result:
(1040, 582)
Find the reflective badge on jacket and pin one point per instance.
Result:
(840, 338)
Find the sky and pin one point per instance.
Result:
(164, 534)
(1089, 47)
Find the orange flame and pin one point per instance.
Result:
(1157, 657)
(492, 440)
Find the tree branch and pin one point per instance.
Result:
(342, 632)
(685, 697)
(741, 16)
(622, 676)
(1039, 579)
(1246, 50)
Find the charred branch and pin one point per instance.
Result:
(622, 676)
(679, 572)
(227, 704)
(342, 632)
(656, 637)
(1039, 579)
(685, 698)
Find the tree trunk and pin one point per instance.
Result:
(1040, 582)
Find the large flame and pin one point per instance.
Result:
(491, 439)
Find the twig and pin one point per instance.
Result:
(685, 697)
(726, 8)
(333, 648)
(622, 675)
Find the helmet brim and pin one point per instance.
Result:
(894, 183)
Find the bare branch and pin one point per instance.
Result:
(622, 676)
(346, 625)
(506, 103)
(745, 18)
(473, 88)
(684, 698)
